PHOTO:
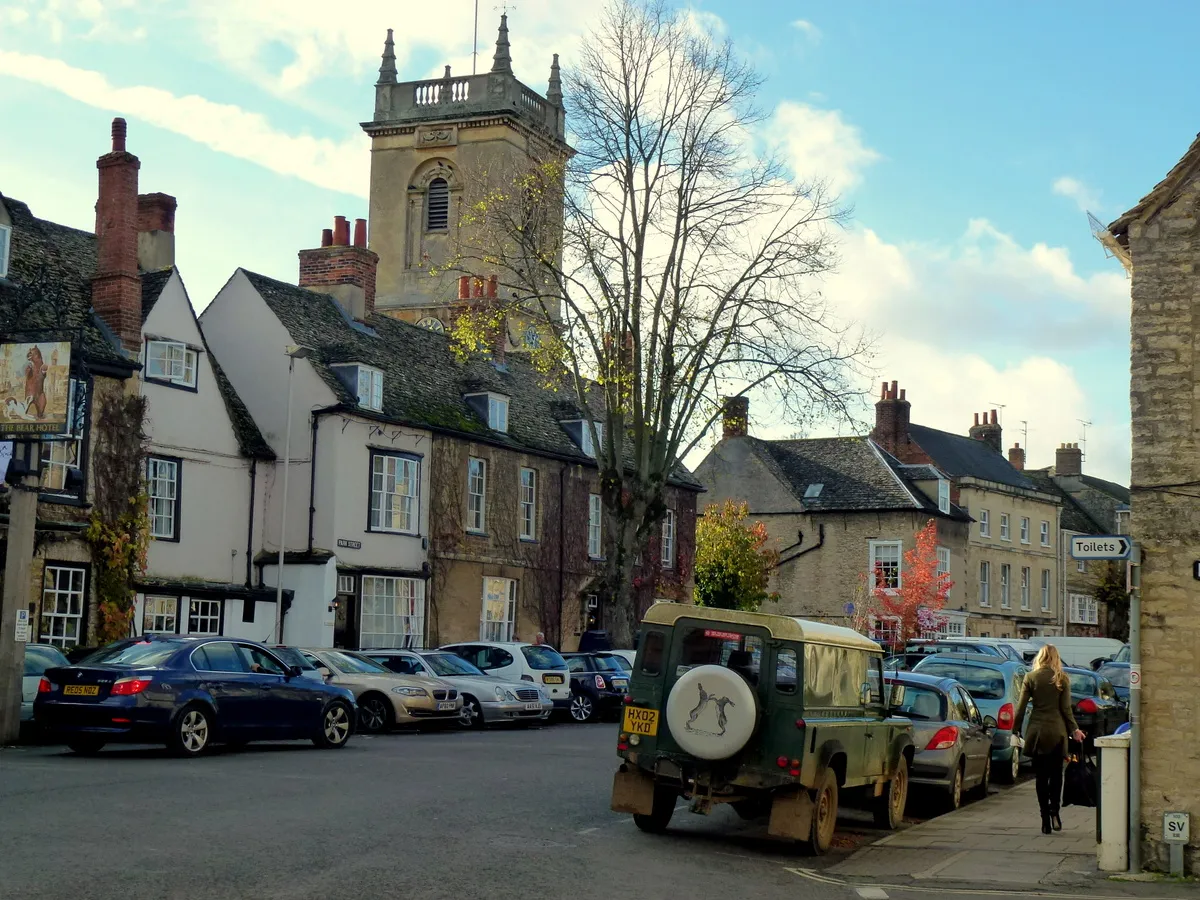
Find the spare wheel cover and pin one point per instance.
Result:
(711, 712)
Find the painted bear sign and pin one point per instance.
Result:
(35, 386)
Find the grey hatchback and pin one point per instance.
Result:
(995, 686)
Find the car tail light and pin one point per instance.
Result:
(1004, 719)
(801, 724)
(123, 687)
(782, 762)
(795, 773)
(117, 721)
(628, 699)
(1087, 705)
(945, 738)
(45, 687)
(600, 682)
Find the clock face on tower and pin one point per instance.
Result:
(432, 323)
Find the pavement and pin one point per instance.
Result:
(506, 813)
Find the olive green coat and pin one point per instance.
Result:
(1051, 721)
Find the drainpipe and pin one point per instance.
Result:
(250, 529)
(817, 546)
(312, 476)
(562, 502)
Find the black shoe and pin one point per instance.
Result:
(1056, 822)
(1045, 823)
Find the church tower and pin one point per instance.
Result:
(429, 141)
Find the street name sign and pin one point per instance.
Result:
(1100, 546)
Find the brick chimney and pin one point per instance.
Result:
(117, 286)
(156, 231)
(1068, 460)
(735, 417)
(344, 270)
(891, 420)
(987, 429)
(1016, 456)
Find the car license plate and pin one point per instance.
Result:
(82, 690)
(533, 707)
(552, 679)
(445, 704)
(620, 682)
(640, 721)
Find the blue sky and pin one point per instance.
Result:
(968, 138)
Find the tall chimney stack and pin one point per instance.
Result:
(343, 270)
(1068, 460)
(1016, 457)
(156, 231)
(987, 429)
(117, 285)
(892, 412)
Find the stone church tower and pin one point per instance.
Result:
(430, 141)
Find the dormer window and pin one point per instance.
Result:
(437, 205)
(365, 382)
(493, 408)
(5, 243)
(944, 495)
(586, 444)
(171, 362)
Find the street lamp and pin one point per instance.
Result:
(294, 352)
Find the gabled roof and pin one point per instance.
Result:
(962, 456)
(1074, 517)
(1118, 492)
(1160, 195)
(853, 472)
(250, 440)
(152, 287)
(424, 383)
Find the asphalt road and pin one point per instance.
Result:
(493, 815)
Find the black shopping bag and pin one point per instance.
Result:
(1079, 782)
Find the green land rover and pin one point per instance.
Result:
(778, 716)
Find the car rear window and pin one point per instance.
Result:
(981, 683)
(38, 660)
(922, 703)
(292, 657)
(1082, 685)
(1118, 675)
(609, 663)
(448, 664)
(542, 658)
(143, 653)
(720, 645)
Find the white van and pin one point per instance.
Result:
(1081, 651)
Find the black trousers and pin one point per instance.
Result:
(1048, 770)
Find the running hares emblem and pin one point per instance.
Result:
(705, 699)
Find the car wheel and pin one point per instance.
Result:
(85, 746)
(980, 791)
(336, 722)
(660, 814)
(1012, 768)
(582, 708)
(889, 806)
(190, 731)
(824, 815)
(954, 795)
(374, 713)
(471, 715)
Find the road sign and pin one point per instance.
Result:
(1100, 546)
(1135, 678)
(23, 625)
(1176, 827)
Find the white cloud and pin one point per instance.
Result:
(1086, 198)
(819, 143)
(808, 29)
(337, 165)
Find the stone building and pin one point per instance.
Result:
(837, 510)
(1158, 241)
(1012, 555)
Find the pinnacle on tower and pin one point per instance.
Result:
(554, 93)
(387, 69)
(502, 60)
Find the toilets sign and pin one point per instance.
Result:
(1103, 546)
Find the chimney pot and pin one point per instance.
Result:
(341, 231)
(119, 130)
(901, 393)
(891, 420)
(347, 273)
(735, 417)
(894, 387)
(976, 418)
(326, 237)
(360, 233)
(883, 393)
(994, 419)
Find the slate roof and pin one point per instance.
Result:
(48, 285)
(854, 472)
(1159, 195)
(423, 382)
(152, 286)
(961, 456)
(1074, 517)
(1118, 492)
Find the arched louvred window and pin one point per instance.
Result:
(437, 205)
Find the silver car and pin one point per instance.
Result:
(485, 699)
(38, 658)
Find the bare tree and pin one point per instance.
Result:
(668, 264)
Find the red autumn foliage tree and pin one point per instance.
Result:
(922, 592)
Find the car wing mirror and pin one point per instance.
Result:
(989, 723)
(896, 698)
(324, 672)
(294, 671)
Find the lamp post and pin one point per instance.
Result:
(294, 352)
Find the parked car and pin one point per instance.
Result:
(517, 661)
(38, 658)
(1016, 649)
(188, 693)
(627, 657)
(485, 699)
(917, 650)
(384, 698)
(294, 657)
(1118, 675)
(598, 685)
(952, 738)
(723, 711)
(1098, 709)
(995, 686)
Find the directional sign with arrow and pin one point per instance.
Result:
(1100, 546)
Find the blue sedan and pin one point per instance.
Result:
(189, 693)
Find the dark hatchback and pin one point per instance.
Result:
(189, 693)
(1098, 709)
(598, 685)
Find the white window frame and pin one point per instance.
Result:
(1005, 530)
(1081, 566)
(1084, 610)
(476, 495)
(943, 561)
(204, 616)
(1005, 585)
(345, 584)
(498, 613)
(160, 615)
(943, 495)
(985, 583)
(172, 362)
(394, 608)
(668, 540)
(1045, 590)
(5, 248)
(985, 524)
(497, 407)
(873, 562)
(885, 629)
(1026, 578)
(952, 628)
(163, 507)
(595, 527)
(55, 618)
(395, 501)
(370, 388)
(1026, 535)
(1045, 533)
(527, 502)
(585, 437)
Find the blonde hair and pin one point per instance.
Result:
(1048, 658)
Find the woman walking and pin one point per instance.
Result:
(1050, 722)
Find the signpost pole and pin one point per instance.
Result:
(1135, 712)
(22, 520)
